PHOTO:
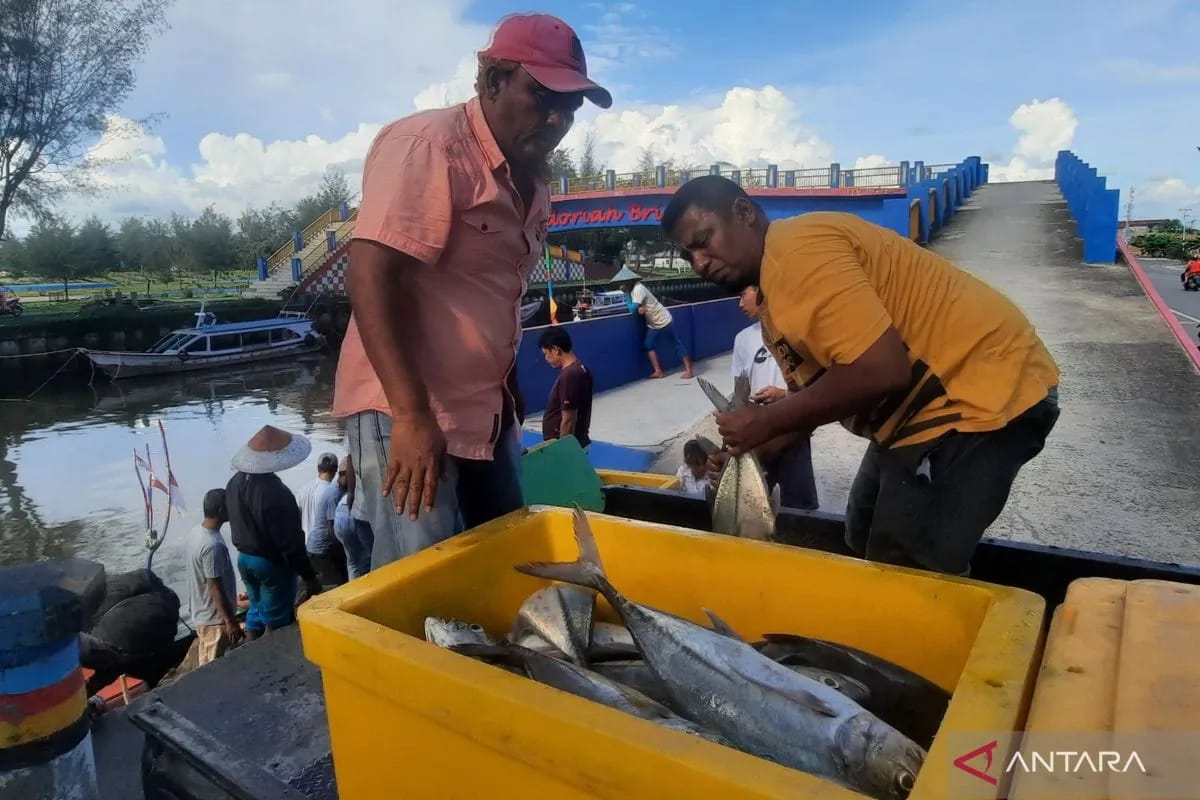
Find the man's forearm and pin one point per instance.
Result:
(221, 602)
(567, 426)
(376, 278)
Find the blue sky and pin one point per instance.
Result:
(257, 99)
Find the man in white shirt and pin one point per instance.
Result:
(791, 466)
(659, 322)
(326, 553)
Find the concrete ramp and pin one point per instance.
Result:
(1121, 471)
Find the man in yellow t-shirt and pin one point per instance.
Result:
(944, 375)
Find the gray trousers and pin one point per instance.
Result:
(469, 493)
(927, 505)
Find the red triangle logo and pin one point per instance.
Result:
(986, 750)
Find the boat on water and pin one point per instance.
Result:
(590, 305)
(211, 344)
(530, 307)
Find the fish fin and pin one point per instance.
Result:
(719, 401)
(584, 571)
(721, 626)
(801, 696)
(776, 500)
(741, 391)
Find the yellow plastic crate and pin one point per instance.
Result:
(650, 480)
(1120, 656)
(409, 719)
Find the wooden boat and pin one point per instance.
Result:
(211, 344)
(529, 308)
(590, 305)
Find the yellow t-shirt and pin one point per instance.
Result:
(832, 283)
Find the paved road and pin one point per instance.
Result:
(1165, 275)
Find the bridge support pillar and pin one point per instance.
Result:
(296, 268)
(261, 263)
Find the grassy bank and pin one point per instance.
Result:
(67, 319)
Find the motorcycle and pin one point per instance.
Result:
(12, 306)
(1191, 283)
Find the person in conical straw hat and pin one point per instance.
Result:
(659, 322)
(264, 523)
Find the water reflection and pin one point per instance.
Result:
(67, 484)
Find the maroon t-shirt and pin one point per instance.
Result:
(572, 391)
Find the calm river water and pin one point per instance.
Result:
(67, 484)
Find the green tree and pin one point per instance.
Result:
(1166, 245)
(51, 250)
(97, 248)
(561, 163)
(12, 258)
(589, 165)
(65, 66)
(333, 191)
(262, 231)
(210, 243)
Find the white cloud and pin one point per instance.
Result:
(1046, 126)
(446, 93)
(230, 173)
(748, 127)
(872, 162)
(1172, 190)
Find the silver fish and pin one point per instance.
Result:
(581, 682)
(762, 707)
(531, 641)
(611, 641)
(907, 701)
(562, 615)
(741, 503)
(636, 674)
(447, 632)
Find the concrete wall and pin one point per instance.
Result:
(933, 199)
(612, 347)
(1094, 208)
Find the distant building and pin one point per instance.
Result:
(1137, 227)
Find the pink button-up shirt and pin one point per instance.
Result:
(437, 187)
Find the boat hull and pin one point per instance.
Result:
(117, 365)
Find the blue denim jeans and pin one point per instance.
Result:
(357, 539)
(469, 493)
(271, 589)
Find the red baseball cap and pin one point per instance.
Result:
(550, 51)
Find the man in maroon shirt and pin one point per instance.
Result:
(569, 409)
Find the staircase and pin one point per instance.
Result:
(314, 254)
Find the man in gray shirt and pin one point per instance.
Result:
(212, 586)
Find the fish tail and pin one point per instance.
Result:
(587, 570)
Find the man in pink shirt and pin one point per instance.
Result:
(454, 211)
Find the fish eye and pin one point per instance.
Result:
(831, 683)
(476, 628)
(905, 781)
